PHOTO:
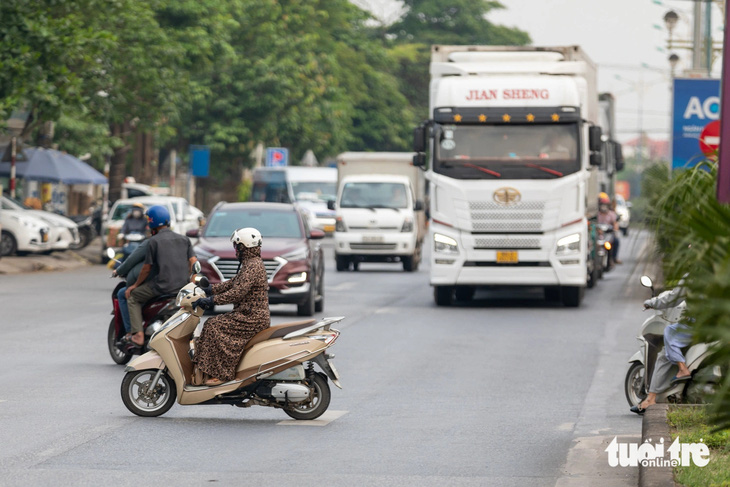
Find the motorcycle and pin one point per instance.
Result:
(641, 368)
(270, 373)
(154, 313)
(87, 232)
(605, 242)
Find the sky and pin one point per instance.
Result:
(623, 37)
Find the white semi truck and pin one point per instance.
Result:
(380, 213)
(515, 147)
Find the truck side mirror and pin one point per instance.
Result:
(596, 159)
(418, 206)
(419, 160)
(419, 139)
(330, 204)
(594, 138)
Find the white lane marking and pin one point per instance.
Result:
(323, 420)
(566, 426)
(344, 286)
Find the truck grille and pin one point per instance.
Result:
(507, 243)
(522, 217)
(373, 246)
(395, 229)
(228, 267)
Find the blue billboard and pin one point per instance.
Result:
(696, 104)
(200, 160)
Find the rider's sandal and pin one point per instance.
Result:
(213, 382)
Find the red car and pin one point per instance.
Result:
(291, 251)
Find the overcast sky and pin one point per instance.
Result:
(619, 36)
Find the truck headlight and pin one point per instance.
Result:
(569, 244)
(444, 244)
(340, 225)
(407, 225)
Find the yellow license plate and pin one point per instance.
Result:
(45, 237)
(329, 228)
(507, 257)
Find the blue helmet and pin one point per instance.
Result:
(158, 216)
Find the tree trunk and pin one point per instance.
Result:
(144, 169)
(117, 166)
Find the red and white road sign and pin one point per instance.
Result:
(710, 138)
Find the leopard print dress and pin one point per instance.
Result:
(221, 343)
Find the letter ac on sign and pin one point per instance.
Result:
(696, 105)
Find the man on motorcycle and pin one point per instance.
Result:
(606, 216)
(163, 263)
(676, 336)
(130, 269)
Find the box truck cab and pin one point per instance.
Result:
(379, 210)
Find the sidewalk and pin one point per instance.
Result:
(56, 261)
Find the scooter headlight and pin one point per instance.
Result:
(181, 295)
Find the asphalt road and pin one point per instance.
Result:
(509, 390)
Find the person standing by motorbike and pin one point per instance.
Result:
(221, 343)
(163, 263)
(606, 216)
(676, 337)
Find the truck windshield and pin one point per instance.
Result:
(314, 190)
(506, 151)
(374, 195)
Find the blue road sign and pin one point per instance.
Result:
(696, 104)
(277, 156)
(200, 160)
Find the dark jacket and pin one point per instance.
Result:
(132, 265)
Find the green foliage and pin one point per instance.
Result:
(693, 233)
(244, 190)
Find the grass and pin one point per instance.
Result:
(690, 423)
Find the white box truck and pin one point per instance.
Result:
(514, 146)
(379, 209)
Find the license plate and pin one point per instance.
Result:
(329, 228)
(507, 257)
(375, 238)
(334, 370)
(45, 237)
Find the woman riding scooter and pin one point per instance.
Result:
(221, 343)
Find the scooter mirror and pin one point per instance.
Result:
(201, 281)
(110, 253)
(197, 267)
(647, 282)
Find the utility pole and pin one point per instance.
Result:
(13, 151)
(697, 37)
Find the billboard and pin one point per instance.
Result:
(696, 106)
(277, 157)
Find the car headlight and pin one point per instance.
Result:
(568, 244)
(407, 225)
(202, 254)
(297, 278)
(340, 225)
(298, 254)
(444, 244)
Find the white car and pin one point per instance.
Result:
(183, 216)
(22, 232)
(63, 233)
(623, 213)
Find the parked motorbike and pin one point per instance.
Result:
(154, 313)
(87, 232)
(642, 362)
(276, 369)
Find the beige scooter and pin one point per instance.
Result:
(271, 372)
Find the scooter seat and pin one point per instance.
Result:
(277, 331)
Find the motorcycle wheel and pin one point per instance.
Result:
(320, 400)
(118, 356)
(634, 384)
(84, 240)
(148, 403)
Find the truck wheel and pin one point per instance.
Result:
(410, 264)
(342, 263)
(465, 293)
(572, 295)
(443, 295)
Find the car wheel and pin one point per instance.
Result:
(307, 307)
(8, 244)
(319, 302)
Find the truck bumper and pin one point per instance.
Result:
(375, 244)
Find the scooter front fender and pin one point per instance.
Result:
(637, 357)
(147, 361)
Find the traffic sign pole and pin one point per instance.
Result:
(723, 167)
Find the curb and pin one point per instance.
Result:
(654, 427)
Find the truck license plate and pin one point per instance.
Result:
(373, 238)
(507, 257)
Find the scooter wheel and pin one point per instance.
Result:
(634, 384)
(118, 356)
(320, 400)
(143, 402)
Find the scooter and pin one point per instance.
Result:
(154, 313)
(641, 368)
(604, 246)
(276, 369)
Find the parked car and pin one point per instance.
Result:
(22, 232)
(63, 232)
(291, 251)
(184, 217)
(623, 213)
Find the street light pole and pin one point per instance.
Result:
(13, 151)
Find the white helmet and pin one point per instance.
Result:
(248, 237)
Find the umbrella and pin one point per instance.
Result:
(55, 167)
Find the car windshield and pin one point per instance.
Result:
(314, 191)
(121, 211)
(506, 151)
(374, 195)
(271, 223)
(11, 204)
